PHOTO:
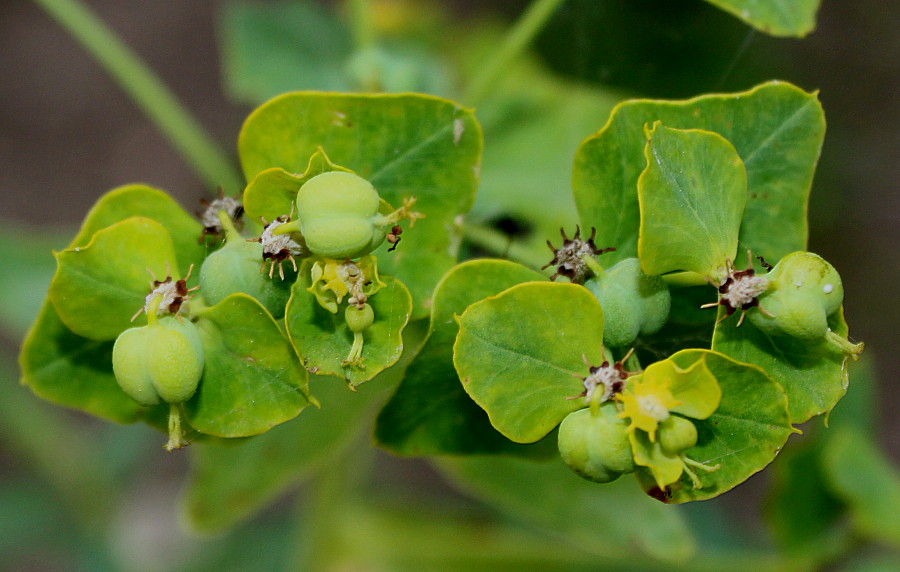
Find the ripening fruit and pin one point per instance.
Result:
(633, 303)
(159, 362)
(804, 289)
(676, 435)
(596, 447)
(338, 215)
(358, 319)
(236, 268)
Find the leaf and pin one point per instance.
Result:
(692, 196)
(251, 380)
(98, 288)
(405, 145)
(813, 373)
(744, 435)
(271, 49)
(323, 340)
(431, 413)
(775, 17)
(140, 200)
(802, 513)
(777, 130)
(230, 481)
(612, 520)
(74, 371)
(530, 157)
(272, 192)
(519, 354)
(864, 478)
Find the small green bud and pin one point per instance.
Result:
(596, 447)
(676, 435)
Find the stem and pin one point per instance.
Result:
(845, 345)
(176, 440)
(152, 309)
(517, 39)
(363, 28)
(498, 243)
(231, 233)
(147, 92)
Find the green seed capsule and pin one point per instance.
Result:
(159, 362)
(596, 447)
(338, 215)
(676, 435)
(236, 268)
(358, 319)
(633, 303)
(803, 291)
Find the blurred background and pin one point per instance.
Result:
(68, 133)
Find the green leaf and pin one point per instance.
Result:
(813, 373)
(431, 413)
(744, 435)
(864, 478)
(774, 17)
(777, 130)
(273, 48)
(802, 513)
(530, 156)
(692, 196)
(405, 145)
(74, 371)
(519, 354)
(323, 340)
(272, 192)
(230, 481)
(140, 200)
(252, 380)
(98, 288)
(613, 520)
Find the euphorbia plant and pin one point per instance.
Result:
(671, 193)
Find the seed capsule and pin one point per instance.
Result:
(596, 447)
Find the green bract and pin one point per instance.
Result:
(596, 446)
(633, 302)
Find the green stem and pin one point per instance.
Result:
(147, 91)
(684, 279)
(231, 232)
(176, 439)
(517, 39)
(363, 28)
(500, 244)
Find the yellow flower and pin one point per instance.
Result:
(647, 401)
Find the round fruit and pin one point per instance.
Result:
(236, 268)
(676, 435)
(633, 303)
(159, 362)
(804, 289)
(338, 215)
(596, 447)
(358, 319)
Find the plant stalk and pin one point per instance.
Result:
(147, 91)
(517, 39)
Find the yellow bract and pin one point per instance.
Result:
(647, 402)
